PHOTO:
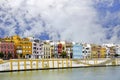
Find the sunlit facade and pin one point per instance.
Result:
(23, 47)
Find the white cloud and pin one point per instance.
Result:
(74, 20)
(115, 35)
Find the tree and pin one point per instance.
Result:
(1, 55)
(63, 54)
(116, 55)
(9, 56)
(21, 55)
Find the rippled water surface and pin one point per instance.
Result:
(92, 73)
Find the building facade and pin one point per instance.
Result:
(47, 53)
(111, 49)
(61, 49)
(118, 49)
(37, 49)
(54, 49)
(86, 51)
(7, 48)
(98, 51)
(77, 51)
(69, 50)
(23, 46)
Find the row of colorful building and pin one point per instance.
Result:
(34, 48)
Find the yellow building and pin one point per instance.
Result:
(69, 50)
(98, 51)
(103, 52)
(23, 47)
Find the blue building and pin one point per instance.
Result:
(77, 51)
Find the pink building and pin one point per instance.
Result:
(7, 48)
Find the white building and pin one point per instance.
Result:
(46, 46)
(118, 49)
(37, 48)
(109, 49)
(54, 49)
(86, 50)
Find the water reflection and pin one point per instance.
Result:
(93, 73)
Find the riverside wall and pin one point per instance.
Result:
(39, 64)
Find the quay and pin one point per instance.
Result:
(42, 64)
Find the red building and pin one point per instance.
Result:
(7, 48)
(59, 48)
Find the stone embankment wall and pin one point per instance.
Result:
(34, 64)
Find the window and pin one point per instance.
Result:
(87, 48)
(35, 44)
(34, 47)
(88, 51)
(11, 47)
(9, 52)
(83, 48)
(8, 47)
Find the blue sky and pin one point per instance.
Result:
(113, 20)
(103, 8)
(92, 21)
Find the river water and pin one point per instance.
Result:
(91, 73)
